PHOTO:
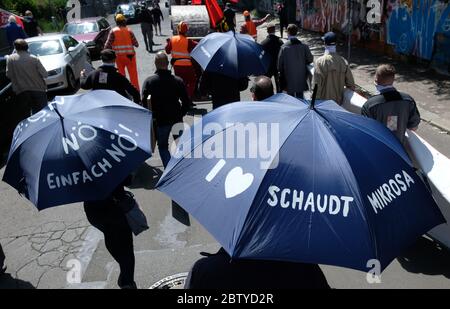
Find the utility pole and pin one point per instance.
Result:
(350, 29)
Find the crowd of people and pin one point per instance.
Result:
(170, 96)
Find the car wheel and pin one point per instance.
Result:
(71, 80)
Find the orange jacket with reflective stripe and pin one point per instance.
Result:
(180, 50)
(123, 44)
(251, 28)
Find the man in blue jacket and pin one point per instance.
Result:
(14, 31)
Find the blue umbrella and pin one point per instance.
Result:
(231, 54)
(337, 189)
(78, 148)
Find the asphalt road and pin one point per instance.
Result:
(39, 245)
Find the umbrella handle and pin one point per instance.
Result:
(313, 99)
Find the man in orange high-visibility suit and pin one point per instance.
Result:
(122, 40)
(249, 26)
(180, 47)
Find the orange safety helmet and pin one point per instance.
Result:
(182, 27)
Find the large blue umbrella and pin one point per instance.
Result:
(231, 54)
(337, 189)
(78, 148)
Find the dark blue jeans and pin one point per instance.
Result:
(162, 136)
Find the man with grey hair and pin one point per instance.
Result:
(396, 110)
(262, 88)
(169, 102)
(27, 75)
(14, 31)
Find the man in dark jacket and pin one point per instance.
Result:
(157, 17)
(396, 110)
(14, 31)
(107, 77)
(219, 271)
(293, 58)
(223, 89)
(165, 91)
(108, 216)
(31, 26)
(272, 45)
(146, 20)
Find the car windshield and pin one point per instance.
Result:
(126, 9)
(80, 28)
(45, 48)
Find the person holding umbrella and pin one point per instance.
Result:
(227, 60)
(107, 216)
(84, 147)
(219, 271)
(311, 201)
(262, 88)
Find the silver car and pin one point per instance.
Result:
(63, 57)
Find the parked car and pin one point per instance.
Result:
(130, 11)
(63, 57)
(91, 31)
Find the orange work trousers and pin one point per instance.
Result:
(187, 74)
(122, 62)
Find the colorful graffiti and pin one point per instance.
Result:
(328, 15)
(323, 15)
(413, 26)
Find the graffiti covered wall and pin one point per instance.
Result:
(413, 25)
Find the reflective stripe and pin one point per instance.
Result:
(181, 54)
(180, 46)
(123, 44)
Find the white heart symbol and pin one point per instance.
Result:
(237, 182)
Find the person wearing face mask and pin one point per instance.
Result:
(396, 110)
(332, 73)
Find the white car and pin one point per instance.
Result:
(63, 57)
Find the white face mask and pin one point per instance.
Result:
(381, 88)
(330, 49)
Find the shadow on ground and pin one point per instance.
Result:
(426, 257)
(8, 282)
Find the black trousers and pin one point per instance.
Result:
(34, 100)
(2, 258)
(110, 219)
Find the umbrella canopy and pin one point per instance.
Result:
(231, 54)
(339, 189)
(78, 148)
